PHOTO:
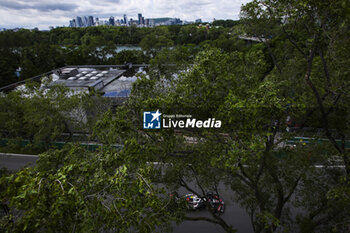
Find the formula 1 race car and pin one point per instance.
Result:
(194, 202)
(215, 202)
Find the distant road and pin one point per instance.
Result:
(15, 162)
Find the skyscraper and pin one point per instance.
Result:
(111, 21)
(85, 21)
(139, 16)
(91, 21)
(151, 22)
(125, 20)
(79, 22)
(72, 23)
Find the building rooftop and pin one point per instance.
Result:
(110, 80)
(82, 78)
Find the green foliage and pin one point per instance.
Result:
(170, 61)
(253, 99)
(39, 59)
(41, 116)
(226, 23)
(154, 43)
(298, 71)
(9, 61)
(37, 52)
(74, 190)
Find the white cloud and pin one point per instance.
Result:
(37, 13)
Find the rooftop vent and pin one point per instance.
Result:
(65, 73)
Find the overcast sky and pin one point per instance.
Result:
(42, 14)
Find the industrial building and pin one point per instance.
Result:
(89, 79)
(111, 81)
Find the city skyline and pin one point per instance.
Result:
(42, 14)
(88, 21)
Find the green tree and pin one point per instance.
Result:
(9, 62)
(75, 190)
(248, 153)
(153, 43)
(41, 116)
(309, 29)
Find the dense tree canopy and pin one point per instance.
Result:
(290, 81)
(37, 52)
